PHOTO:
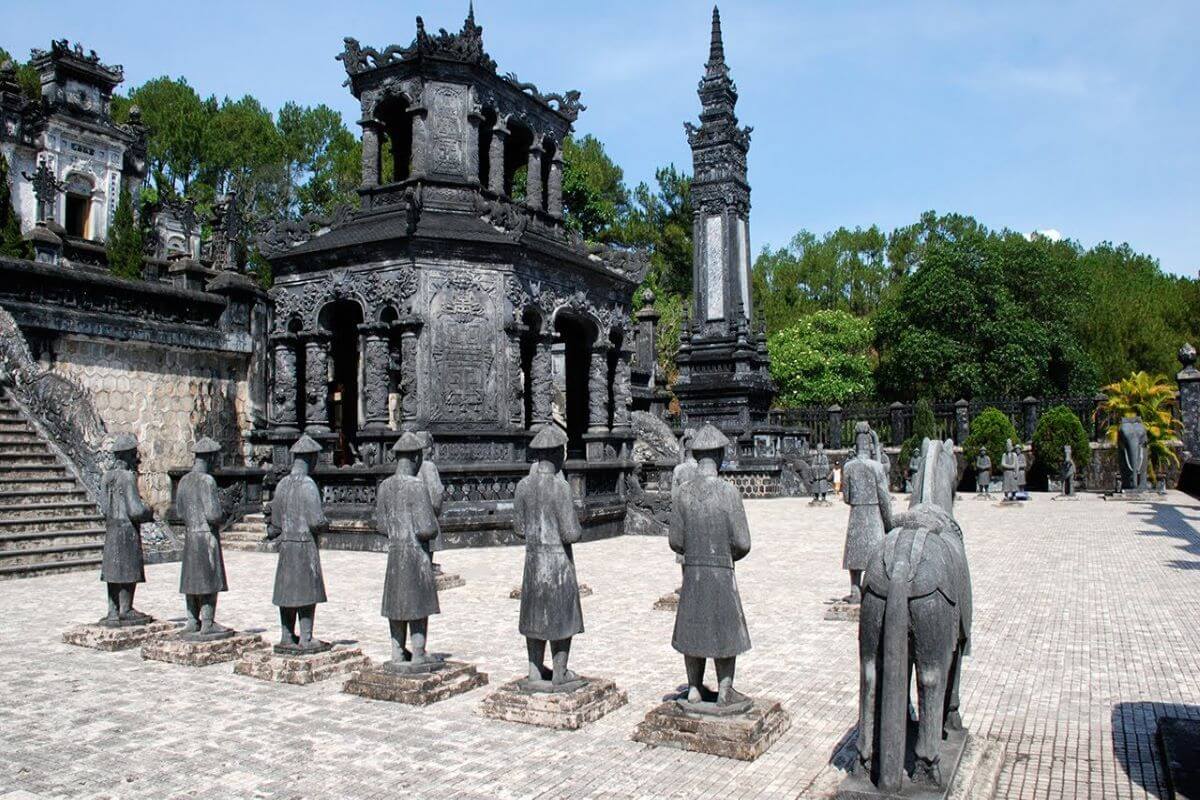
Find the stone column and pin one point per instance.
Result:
(370, 153)
(1189, 402)
(1029, 415)
(474, 118)
(533, 176)
(283, 388)
(622, 391)
(420, 148)
(496, 158)
(316, 383)
(409, 405)
(897, 413)
(543, 380)
(554, 205)
(376, 357)
(835, 427)
(516, 390)
(962, 421)
(598, 389)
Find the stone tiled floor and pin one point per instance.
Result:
(1086, 630)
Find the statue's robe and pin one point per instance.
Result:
(432, 480)
(1068, 476)
(709, 528)
(865, 490)
(983, 471)
(122, 556)
(544, 516)
(1022, 465)
(202, 570)
(822, 475)
(1010, 466)
(404, 513)
(296, 511)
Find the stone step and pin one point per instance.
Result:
(49, 568)
(11, 541)
(37, 556)
(75, 523)
(21, 439)
(46, 510)
(41, 482)
(22, 457)
(16, 428)
(26, 472)
(36, 497)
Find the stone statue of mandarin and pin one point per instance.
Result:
(822, 474)
(296, 515)
(983, 472)
(1068, 472)
(709, 529)
(1010, 465)
(544, 517)
(432, 479)
(202, 571)
(865, 490)
(686, 468)
(122, 567)
(405, 514)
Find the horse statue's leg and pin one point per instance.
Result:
(953, 718)
(870, 630)
(935, 633)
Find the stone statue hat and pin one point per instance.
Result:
(689, 435)
(409, 443)
(124, 442)
(305, 445)
(425, 438)
(549, 437)
(205, 446)
(709, 438)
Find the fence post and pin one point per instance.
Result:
(835, 427)
(897, 411)
(962, 422)
(1029, 413)
(1189, 401)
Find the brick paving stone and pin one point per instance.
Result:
(1086, 632)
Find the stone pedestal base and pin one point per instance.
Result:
(858, 786)
(124, 637)
(745, 735)
(1129, 497)
(584, 591)
(1065, 497)
(668, 602)
(842, 611)
(383, 682)
(192, 652)
(445, 580)
(984, 496)
(563, 710)
(271, 665)
(820, 503)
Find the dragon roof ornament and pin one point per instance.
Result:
(62, 49)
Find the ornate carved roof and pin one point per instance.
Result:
(67, 57)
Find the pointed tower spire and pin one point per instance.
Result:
(471, 13)
(716, 49)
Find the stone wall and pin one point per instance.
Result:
(166, 396)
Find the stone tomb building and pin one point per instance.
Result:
(454, 300)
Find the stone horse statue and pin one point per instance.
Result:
(916, 612)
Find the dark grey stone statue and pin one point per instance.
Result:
(865, 490)
(880, 455)
(1132, 447)
(914, 467)
(709, 529)
(685, 470)
(202, 571)
(822, 474)
(1068, 472)
(1011, 467)
(983, 472)
(296, 515)
(404, 513)
(1022, 465)
(432, 479)
(544, 517)
(916, 612)
(122, 567)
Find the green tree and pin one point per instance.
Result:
(244, 153)
(124, 243)
(322, 159)
(1059, 427)
(1150, 397)
(12, 243)
(924, 427)
(822, 358)
(595, 199)
(27, 77)
(989, 431)
(660, 220)
(177, 120)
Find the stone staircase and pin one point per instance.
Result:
(47, 522)
(248, 534)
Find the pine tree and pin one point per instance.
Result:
(11, 242)
(124, 245)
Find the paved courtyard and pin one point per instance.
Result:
(1086, 629)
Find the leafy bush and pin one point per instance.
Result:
(1151, 398)
(1057, 428)
(124, 244)
(924, 427)
(824, 358)
(989, 431)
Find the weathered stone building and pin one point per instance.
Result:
(454, 300)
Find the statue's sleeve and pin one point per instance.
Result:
(845, 485)
(570, 531)
(274, 529)
(138, 512)
(424, 520)
(739, 528)
(437, 490)
(885, 499)
(519, 511)
(380, 512)
(676, 534)
(213, 513)
(312, 506)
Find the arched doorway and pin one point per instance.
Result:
(575, 336)
(77, 219)
(341, 320)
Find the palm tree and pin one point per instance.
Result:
(1152, 398)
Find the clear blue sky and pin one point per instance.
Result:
(1078, 116)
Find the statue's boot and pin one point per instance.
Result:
(208, 610)
(855, 596)
(287, 625)
(926, 772)
(126, 603)
(695, 672)
(726, 694)
(536, 649)
(420, 629)
(114, 613)
(193, 614)
(306, 616)
(561, 651)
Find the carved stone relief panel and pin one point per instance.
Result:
(714, 267)
(447, 128)
(463, 347)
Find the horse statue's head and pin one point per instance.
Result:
(934, 484)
